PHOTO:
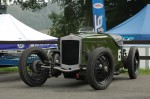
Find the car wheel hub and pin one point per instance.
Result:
(36, 66)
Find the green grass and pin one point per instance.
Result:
(144, 71)
(141, 71)
(9, 69)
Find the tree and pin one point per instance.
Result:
(69, 21)
(59, 27)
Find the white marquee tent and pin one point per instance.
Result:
(12, 29)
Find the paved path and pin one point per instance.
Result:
(12, 87)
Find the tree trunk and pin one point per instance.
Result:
(88, 13)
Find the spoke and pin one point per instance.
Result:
(104, 60)
(136, 63)
(107, 61)
(99, 77)
(101, 60)
(31, 67)
(102, 68)
(97, 62)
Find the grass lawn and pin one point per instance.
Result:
(145, 71)
(9, 69)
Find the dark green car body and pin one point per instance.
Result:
(88, 42)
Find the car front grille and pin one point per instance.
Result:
(70, 52)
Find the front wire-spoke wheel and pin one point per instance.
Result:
(30, 68)
(100, 68)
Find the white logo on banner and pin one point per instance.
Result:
(98, 23)
(21, 45)
(98, 5)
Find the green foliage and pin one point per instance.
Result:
(32, 4)
(116, 12)
(8, 69)
(62, 26)
(67, 22)
(144, 71)
(58, 25)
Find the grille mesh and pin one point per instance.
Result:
(70, 52)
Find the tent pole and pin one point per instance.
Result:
(147, 61)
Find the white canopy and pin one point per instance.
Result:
(12, 29)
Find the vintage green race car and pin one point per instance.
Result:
(88, 55)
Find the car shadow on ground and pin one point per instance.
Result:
(60, 84)
(55, 84)
(67, 84)
(121, 77)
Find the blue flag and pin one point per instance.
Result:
(99, 20)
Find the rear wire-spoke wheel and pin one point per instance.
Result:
(133, 62)
(100, 68)
(30, 66)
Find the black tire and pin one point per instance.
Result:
(28, 70)
(133, 62)
(100, 63)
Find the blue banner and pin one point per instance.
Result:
(25, 46)
(99, 20)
